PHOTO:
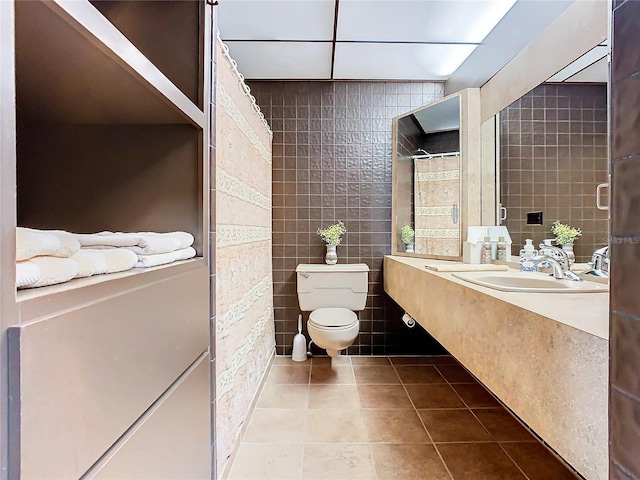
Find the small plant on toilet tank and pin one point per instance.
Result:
(332, 235)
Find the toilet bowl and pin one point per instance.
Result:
(333, 329)
(331, 293)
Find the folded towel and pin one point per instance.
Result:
(32, 243)
(142, 243)
(466, 267)
(164, 258)
(53, 270)
(108, 260)
(27, 274)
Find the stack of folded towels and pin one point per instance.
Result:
(49, 257)
(151, 249)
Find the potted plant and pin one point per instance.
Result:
(407, 235)
(332, 236)
(565, 236)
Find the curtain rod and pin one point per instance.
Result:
(434, 155)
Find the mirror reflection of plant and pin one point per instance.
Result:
(407, 234)
(332, 235)
(565, 234)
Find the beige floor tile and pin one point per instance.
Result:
(283, 396)
(408, 462)
(476, 396)
(503, 426)
(454, 426)
(424, 360)
(337, 462)
(456, 374)
(384, 397)
(362, 360)
(332, 374)
(282, 360)
(341, 360)
(434, 396)
(276, 425)
(289, 374)
(333, 396)
(538, 463)
(474, 461)
(267, 462)
(394, 426)
(335, 426)
(419, 374)
(372, 375)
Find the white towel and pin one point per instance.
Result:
(27, 274)
(108, 260)
(53, 270)
(143, 243)
(164, 258)
(32, 243)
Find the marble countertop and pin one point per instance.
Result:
(588, 312)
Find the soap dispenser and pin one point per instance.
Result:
(527, 263)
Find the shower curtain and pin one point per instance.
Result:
(436, 200)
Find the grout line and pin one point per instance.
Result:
(415, 410)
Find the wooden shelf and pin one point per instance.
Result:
(74, 66)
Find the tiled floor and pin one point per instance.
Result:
(379, 418)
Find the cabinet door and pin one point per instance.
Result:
(172, 440)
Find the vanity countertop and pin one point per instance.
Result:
(588, 312)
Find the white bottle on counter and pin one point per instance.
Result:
(485, 252)
(527, 263)
(502, 249)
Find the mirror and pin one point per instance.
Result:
(553, 154)
(427, 180)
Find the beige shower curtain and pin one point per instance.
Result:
(436, 202)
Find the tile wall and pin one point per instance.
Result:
(554, 153)
(332, 161)
(624, 413)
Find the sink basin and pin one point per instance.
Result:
(516, 281)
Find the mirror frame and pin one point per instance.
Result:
(471, 170)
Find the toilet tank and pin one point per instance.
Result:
(341, 285)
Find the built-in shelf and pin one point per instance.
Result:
(44, 301)
(74, 66)
(111, 125)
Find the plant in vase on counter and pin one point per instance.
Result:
(565, 236)
(332, 236)
(407, 235)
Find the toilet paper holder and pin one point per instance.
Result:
(408, 320)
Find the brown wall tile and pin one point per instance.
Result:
(625, 432)
(625, 176)
(625, 244)
(625, 338)
(332, 161)
(545, 170)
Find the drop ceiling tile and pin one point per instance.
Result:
(438, 21)
(581, 63)
(282, 60)
(597, 72)
(276, 19)
(397, 61)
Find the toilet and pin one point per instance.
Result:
(332, 293)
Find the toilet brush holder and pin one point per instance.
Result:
(299, 353)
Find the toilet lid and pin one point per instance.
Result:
(333, 317)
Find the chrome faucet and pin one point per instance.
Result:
(599, 264)
(560, 267)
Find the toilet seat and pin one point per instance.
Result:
(332, 318)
